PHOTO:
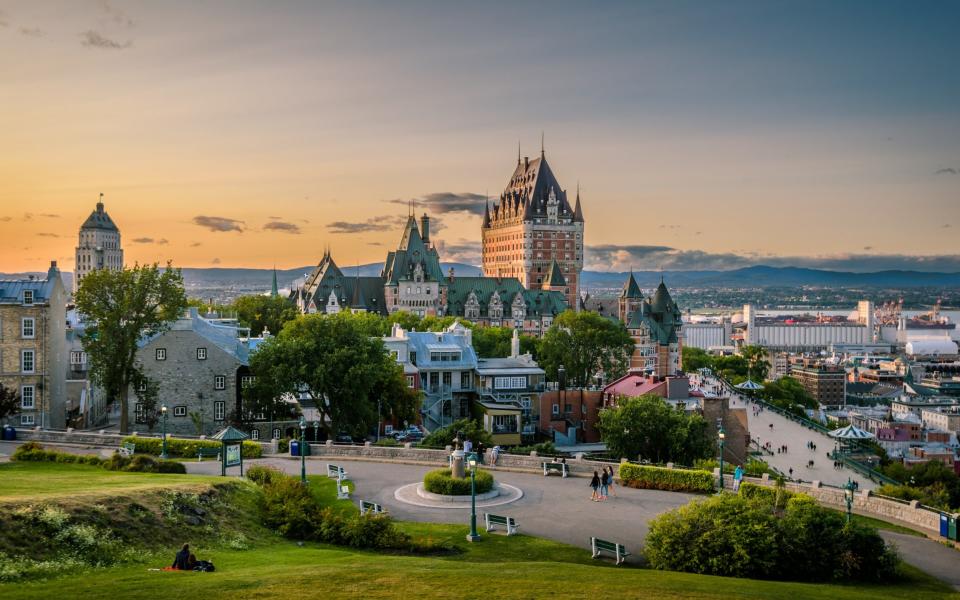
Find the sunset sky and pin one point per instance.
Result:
(703, 134)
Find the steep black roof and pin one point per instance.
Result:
(99, 219)
(529, 189)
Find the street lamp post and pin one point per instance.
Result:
(163, 441)
(721, 435)
(303, 455)
(316, 431)
(473, 536)
(848, 495)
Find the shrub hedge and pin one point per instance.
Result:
(185, 448)
(442, 482)
(735, 536)
(752, 491)
(661, 478)
(34, 452)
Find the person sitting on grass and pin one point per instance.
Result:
(181, 561)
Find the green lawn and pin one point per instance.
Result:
(496, 567)
(29, 480)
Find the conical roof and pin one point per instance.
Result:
(661, 299)
(577, 211)
(631, 289)
(555, 278)
(851, 432)
(229, 434)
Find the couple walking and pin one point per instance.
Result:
(602, 484)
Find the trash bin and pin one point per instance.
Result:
(953, 529)
(294, 448)
(944, 525)
(9, 434)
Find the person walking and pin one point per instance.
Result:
(613, 492)
(604, 484)
(595, 484)
(737, 478)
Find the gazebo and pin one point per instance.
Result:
(850, 435)
(232, 454)
(749, 386)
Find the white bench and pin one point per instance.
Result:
(336, 471)
(494, 520)
(555, 467)
(371, 507)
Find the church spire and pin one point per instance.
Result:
(541, 144)
(577, 211)
(274, 290)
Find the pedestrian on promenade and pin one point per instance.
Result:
(613, 492)
(467, 447)
(595, 484)
(791, 472)
(604, 484)
(737, 478)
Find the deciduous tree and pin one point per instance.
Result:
(585, 343)
(648, 427)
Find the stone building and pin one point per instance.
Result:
(33, 348)
(198, 366)
(531, 228)
(655, 324)
(98, 246)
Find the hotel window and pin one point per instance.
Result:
(219, 409)
(27, 361)
(254, 434)
(219, 382)
(556, 409)
(143, 386)
(161, 354)
(201, 354)
(246, 380)
(27, 396)
(78, 357)
(276, 433)
(28, 296)
(27, 420)
(28, 327)
(179, 411)
(139, 413)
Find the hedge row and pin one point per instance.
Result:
(186, 448)
(34, 452)
(752, 491)
(441, 482)
(660, 478)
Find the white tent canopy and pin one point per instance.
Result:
(850, 432)
(749, 385)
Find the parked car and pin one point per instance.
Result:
(344, 438)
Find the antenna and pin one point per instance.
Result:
(541, 143)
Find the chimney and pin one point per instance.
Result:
(515, 345)
(450, 275)
(425, 228)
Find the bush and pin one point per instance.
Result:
(171, 466)
(34, 452)
(542, 449)
(387, 441)
(738, 536)
(442, 482)
(283, 445)
(754, 467)
(288, 507)
(471, 430)
(771, 495)
(373, 531)
(261, 475)
(140, 463)
(661, 478)
(184, 448)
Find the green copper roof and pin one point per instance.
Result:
(412, 251)
(555, 278)
(537, 303)
(230, 434)
(658, 314)
(631, 289)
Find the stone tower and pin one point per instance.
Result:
(532, 226)
(98, 246)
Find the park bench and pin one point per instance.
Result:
(494, 520)
(207, 453)
(127, 449)
(619, 551)
(371, 507)
(343, 490)
(336, 471)
(555, 467)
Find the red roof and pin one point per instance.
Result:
(632, 385)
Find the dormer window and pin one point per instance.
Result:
(28, 297)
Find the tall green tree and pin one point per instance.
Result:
(9, 401)
(757, 364)
(585, 343)
(495, 342)
(344, 370)
(120, 308)
(648, 427)
(695, 359)
(257, 312)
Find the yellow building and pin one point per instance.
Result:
(501, 421)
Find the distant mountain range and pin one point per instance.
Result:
(758, 276)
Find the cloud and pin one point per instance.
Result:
(282, 226)
(50, 235)
(50, 215)
(448, 202)
(215, 261)
(149, 240)
(5, 219)
(34, 32)
(3, 19)
(462, 251)
(612, 257)
(947, 171)
(196, 244)
(113, 15)
(868, 248)
(94, 39)
(946, 226)
(372, 224)
(218, 223)
(27, 216)
(275, 218)
(374, 243)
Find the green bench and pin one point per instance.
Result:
(371, 507)
(127, 449)
(559, 468)
(619, 551)
(493, 521)
(208, 453)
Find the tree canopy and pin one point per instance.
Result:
(119, 308)
(648, 427)
(585, 343)
(342, 368)
(258, 312)
(9, 401)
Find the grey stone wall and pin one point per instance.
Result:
(183, 379)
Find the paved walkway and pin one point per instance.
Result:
(796, 436)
